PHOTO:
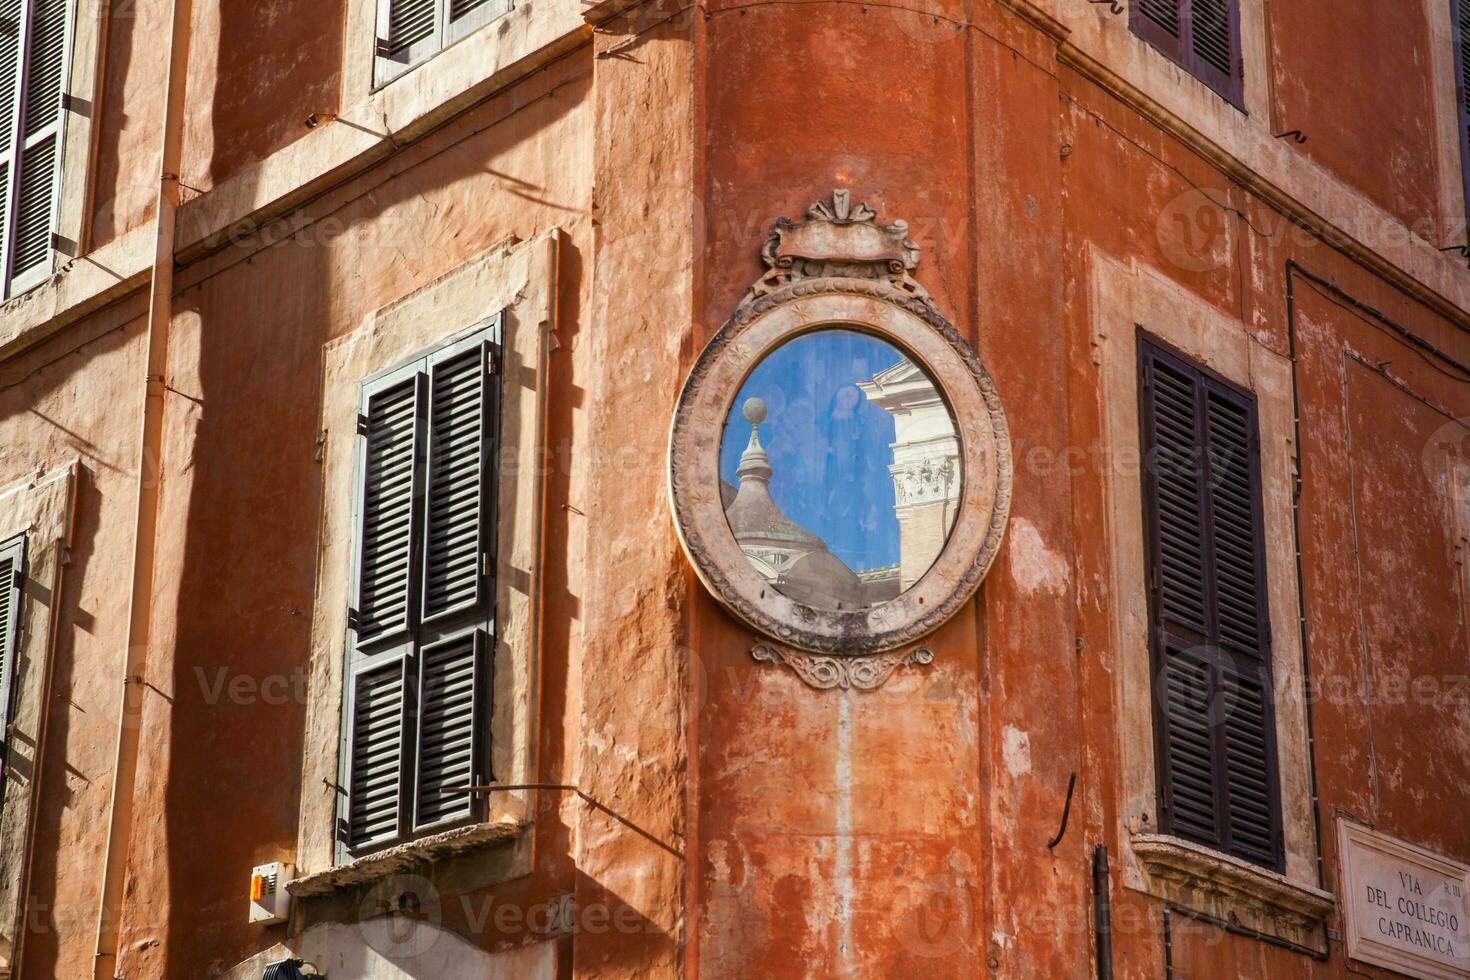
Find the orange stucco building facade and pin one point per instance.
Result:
(176, 445)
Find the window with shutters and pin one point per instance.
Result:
(421, 619)
(12, 579)
(1209, 629)
(34, 46)
(1460, 25)
(411, 31)
(1202, 36)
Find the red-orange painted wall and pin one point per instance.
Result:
(797, 832)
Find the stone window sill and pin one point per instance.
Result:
(1234, 891)
(407, 857)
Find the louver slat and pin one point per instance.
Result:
(1462, 42)
(9, 70)
(377, 754)
(34, 206)
(12, 564)
(409, 22)
(386, 560)
(1232, 525)
(1462, 88)
(45, 64)
(1201, 36)
(450, 698)
(1217, 774)
(1209, 26)
(1190, 777)
(1248, 767)
(463, 8)
(457, 439)
(1163, 14)
(1175, 464)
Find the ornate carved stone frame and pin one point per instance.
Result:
(839, 268)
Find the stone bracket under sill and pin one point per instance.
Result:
(1235, 891)
(406, 857)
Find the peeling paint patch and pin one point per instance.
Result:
(1016, 749)
(1034, 566)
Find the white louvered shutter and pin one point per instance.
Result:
(417, 708)
(12, 578)
(461, 17)
(410, 31)
(34, 46)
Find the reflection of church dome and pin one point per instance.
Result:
(820, 578)
(789, 556)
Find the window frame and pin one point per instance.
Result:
(422, 634)
(13, 550)
(12, 158)
(1180, 49)
(1459, 25)
(1165, 633)
(446, 34)
(38, 511)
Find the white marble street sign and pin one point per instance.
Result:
(1404, 907)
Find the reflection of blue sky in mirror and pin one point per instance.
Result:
(828, 445)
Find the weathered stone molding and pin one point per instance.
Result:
(1234, 891)
(412, 856)
(824, 673)
(838, 266)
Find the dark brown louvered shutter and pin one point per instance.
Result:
(1202, 36)
(1460, 21)
(12, 586)
(1209, 629)
(1161, 16)
(416, 716)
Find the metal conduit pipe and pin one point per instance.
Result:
(150, 470)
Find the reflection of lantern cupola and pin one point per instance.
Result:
(754, 464)
(787, 554)
(770, 538)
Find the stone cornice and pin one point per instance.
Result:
(1233, 890)
(404, 858)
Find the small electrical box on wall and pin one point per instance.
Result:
(270, 903)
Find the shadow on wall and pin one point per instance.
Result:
(241, 521)
(45, 921)
(530, 941)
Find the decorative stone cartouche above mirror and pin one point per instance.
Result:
(840, 469)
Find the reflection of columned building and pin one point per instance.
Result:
(926, 464)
